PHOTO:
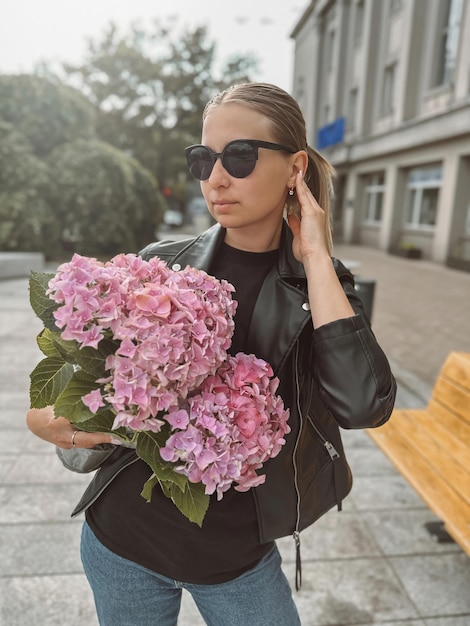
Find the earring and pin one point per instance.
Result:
(291, 191)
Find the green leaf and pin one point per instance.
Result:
(66, 348)
(102, 422)
(92, 360)
(69, 403)
(148, 449)
(149, 486)
(189, 498)
(45, 341)
(193, 502)
(51, 344)
(48, 380)
(41, 304)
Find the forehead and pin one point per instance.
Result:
(229, 121)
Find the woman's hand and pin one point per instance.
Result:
(59, 431)
(328, 302)
(309, 230)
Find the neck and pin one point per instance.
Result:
(251, 240)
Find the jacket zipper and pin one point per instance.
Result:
(296, 533)
(333, 453)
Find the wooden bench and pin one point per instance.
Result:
(430, 447)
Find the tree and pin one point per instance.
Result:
(47, 113)
(58, 184)
(149, 87)
(26, 217)
(106, 202)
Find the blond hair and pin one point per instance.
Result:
(289, 129)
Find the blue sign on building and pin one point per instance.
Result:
(331, 134)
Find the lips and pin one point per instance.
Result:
(220, 204)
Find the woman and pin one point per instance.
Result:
(298, 310)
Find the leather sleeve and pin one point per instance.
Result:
(351, 370)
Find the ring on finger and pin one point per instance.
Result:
(73, 437)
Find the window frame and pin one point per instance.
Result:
(374, 188)
(415, 194)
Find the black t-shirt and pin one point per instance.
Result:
(155, 534)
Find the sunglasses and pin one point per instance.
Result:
(238, 157)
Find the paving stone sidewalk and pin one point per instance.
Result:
(374, 563)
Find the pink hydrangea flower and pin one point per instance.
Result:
(173, 328)
(93, 400)
(233, 423)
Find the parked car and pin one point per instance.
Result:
(171, 217)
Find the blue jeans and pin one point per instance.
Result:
(127, 594)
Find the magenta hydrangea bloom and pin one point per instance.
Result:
(234, 423)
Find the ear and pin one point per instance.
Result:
(299, 163)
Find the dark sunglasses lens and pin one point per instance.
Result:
(200, 162)
(239, 159)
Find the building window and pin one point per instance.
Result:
(448, 35)
(388, 91)
(422, 195)
(374, 194)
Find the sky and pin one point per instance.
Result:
(32, 31)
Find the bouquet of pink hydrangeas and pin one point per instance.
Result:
(138, 350)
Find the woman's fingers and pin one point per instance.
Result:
(306, 199)
(82, 439)
(60, 432)
(309, 232)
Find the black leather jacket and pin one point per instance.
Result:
(336, 375)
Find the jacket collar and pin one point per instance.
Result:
(200, 251)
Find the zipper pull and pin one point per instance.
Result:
(298, 562)
(331, 450)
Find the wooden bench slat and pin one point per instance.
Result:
(436, 449)
(457, 427)
(438, 496)
(452, 396)
(440, 432)
(459, 530)
(457, 368)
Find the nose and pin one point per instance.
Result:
(219, 175)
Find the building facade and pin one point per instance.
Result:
(385, 89)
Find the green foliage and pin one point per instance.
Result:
(69, 372)
(105, 201)
(48, 379)
(43, 306)
(26, 218)
(149, 87)
(69, 401)
(190, 498)
(47, 113)
(60, 188)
